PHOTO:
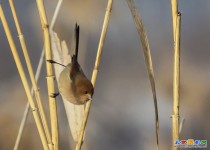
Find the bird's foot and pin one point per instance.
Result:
(54, 95)
(54, 62)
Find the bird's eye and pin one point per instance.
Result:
(86, 92)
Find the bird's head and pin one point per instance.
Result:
(84, 90)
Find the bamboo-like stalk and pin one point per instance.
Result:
(176, 39)
(145, 45)
(23, 78)
(174, 9)
(25, 114)
(176, 83)
(50, 76)
(95, 71)
(31, 74)
(38, 71)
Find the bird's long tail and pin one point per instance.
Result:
(76, 42)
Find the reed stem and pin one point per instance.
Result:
(31, 74)
(176, 24)
(38, 71)
(50, 76)
(174, 9)
(22, 125)
(176, 83)
(23, 78)
(95, 72)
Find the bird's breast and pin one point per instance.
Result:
(65, 86)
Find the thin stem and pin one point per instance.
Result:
(95, 72)
(38, 71)
(50, 76)
(55, 15)
(174, 9)
(176, 82)
(176, 39)
(31, 74)
(23, 78)
(22, 126)
(148, 59)
(25, 114)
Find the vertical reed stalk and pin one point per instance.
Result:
(174, 9)
(176, 17)
(25, 114)
(55, 14)
(145, 45)
(24, 118)
(23, 78)
(50, 76)
(176, 82)
(95, 72)
(31, 73)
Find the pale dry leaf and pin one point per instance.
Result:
(74, 113)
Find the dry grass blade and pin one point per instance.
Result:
(22, 125)
(176, 82)
(74, 113)
(148, 59)
(181, 124)
(31, 73)
(50, 76)
(23, 78)
(95, 72)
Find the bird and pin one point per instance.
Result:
(73, 85)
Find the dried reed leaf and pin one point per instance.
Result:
(74, 113)
(148, 59)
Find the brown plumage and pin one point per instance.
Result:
(73, 84)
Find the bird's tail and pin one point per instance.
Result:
(76, 42)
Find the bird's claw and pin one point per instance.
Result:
(54, 95)
(51, 61)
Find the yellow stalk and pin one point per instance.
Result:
(95, 72)
(174, 6)
(31, 73)
(176, 83)
(24, 118)
(50, 75)
(148, 59)
(23, 78)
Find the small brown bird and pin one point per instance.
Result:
(73, 84)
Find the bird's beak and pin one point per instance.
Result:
(89, 97)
